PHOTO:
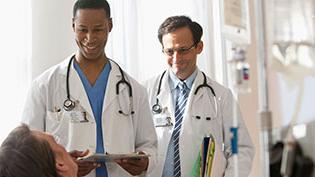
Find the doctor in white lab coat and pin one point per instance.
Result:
(204, 114)
(125, 123)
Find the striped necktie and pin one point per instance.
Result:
(181, 100)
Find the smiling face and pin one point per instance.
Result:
(180, 51)
(91, 28)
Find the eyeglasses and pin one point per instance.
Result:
(182, 50)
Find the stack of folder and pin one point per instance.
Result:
(203, 164)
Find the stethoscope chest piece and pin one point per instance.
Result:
(156, 108)
(68, 105)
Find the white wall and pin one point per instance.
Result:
(15, 51)
(52, 33)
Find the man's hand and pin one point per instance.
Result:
(134, 166)
(84, 168)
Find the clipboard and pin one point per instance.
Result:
(98, 157)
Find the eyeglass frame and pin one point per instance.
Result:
(181, 50)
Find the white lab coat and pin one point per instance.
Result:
(193, 130)
(122, 134)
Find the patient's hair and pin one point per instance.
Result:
(24, 155)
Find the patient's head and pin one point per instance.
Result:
(27, 153)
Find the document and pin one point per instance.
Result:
(98, 157)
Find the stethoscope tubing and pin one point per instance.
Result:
(69, 104)
(157, 108)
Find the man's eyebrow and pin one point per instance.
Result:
(81, 25)
(98, 25)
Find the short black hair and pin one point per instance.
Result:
(175, 22)
(91, 4)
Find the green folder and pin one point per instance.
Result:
(195, 172)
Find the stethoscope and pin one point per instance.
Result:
(157, 108)
(69, 104)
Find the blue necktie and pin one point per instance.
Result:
(179, 112)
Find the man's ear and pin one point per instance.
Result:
(61, 167)
(110, 23)
(199, 47)
(73, 24)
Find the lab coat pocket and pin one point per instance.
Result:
(81, 136)
(204, 120)
(120, 130)
(54, 116)
(56, 125)
(54, 121)
(204, 109)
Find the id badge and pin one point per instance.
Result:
(162, 120)
(78, 116)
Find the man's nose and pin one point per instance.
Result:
(90, 37)
(176, 55)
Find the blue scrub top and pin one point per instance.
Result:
(96, 95)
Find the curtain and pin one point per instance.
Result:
(134, 44)
(15, 49)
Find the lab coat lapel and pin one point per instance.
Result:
(113, 78)
(165, 95)
(77, 90)
(198, 81)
